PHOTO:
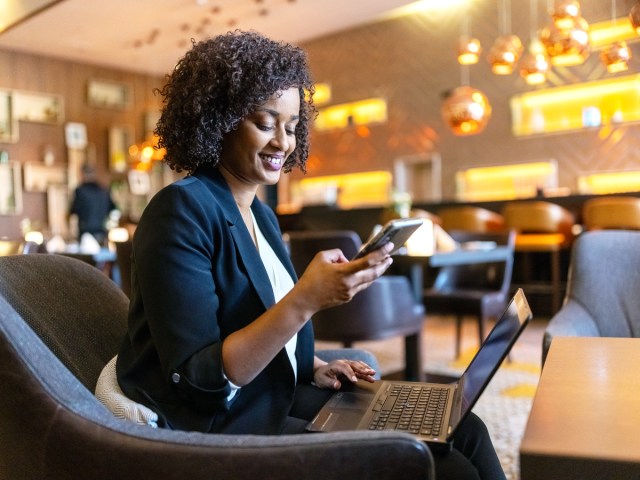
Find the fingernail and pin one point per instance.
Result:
(354, 379)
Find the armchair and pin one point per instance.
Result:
(61, 320)
(602, 289)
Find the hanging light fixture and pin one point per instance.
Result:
(617, 55)
(565, 13)
(634, 17)
(567, 44)
(469, 48)
(534, 65)
(507, 48)
(466, 111)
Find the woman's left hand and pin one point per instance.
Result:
(330, 375)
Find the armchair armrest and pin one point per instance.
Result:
(572, 320)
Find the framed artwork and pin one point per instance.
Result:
(10, 189)
(39, 107)
(75, 135)
(57, 207)
(8, 120)
(38, 176)
(109, 94)
(121, 137)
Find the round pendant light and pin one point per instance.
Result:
(616, 57)
(469, 50)
(504, 54)
(567, 46)
(534, 67)
(565, 13)
(466, 111)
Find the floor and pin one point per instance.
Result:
(505, 404)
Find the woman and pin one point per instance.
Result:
(219, 338)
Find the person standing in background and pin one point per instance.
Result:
(92, 204)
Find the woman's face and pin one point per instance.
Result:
(255, 152)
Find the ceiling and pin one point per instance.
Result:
(149, 36)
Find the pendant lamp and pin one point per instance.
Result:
(504, 54)
(567, 46)
(617, 55)
(565, 13)
(534, 65)
(466, 111)
(469, 50)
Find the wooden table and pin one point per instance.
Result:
(585, 419)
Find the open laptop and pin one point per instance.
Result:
(366, 406)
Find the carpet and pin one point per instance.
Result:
(506, 402)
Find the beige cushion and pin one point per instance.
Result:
(109, 393)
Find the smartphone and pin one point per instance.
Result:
(397, 231)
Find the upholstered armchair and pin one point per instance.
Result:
(61, 320)
(602, 297)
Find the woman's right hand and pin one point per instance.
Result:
(331, 279)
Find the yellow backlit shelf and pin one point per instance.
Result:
(575, 107)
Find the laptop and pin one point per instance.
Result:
(413, 407)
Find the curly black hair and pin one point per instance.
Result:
(218, 83)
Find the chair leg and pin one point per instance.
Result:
(413, 357)
(459, 320)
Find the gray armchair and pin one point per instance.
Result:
(602, 297)
(61, 320)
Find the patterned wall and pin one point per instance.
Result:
(411, 62)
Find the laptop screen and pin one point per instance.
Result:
(494, 350)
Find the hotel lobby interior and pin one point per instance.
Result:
(509, 127)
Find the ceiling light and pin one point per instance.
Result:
(466, 111)
(567, 46)
(616, 57)
(504, 54)
(469, 50)
(565, 13)
(534, 68)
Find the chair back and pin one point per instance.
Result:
(538, 216)
(492, 276)
(471, 219)
(80, 314)
(304, 245)
(385, 309)
(618, 212)
(603, 279)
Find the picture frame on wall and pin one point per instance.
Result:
(38, 176)
(8, 120)
(121, 137)
(109, 94)
(39, 107)
(10, 188)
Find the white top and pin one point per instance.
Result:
(281, 283)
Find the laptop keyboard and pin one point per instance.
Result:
(411, 408)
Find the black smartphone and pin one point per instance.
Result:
(397, 231)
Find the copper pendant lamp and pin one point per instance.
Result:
(534, 67)
(469, 50)
(565, 13)
(466, 111)
(504, 54)
(616, 57)
(567, 46)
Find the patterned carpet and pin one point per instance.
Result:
(505, 404)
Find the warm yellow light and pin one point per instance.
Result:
(615, 57)
(322, 94)
(353, 189)
(35, 237)
(568, 107)
(422, 6)
(363, 112)
(504, 54)
(534, 68)
(609, 182)
(605, 33)
(505, 181)
(565, 13)
(118, 234)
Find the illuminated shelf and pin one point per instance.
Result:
(575, 107)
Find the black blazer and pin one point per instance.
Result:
(196, 278)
